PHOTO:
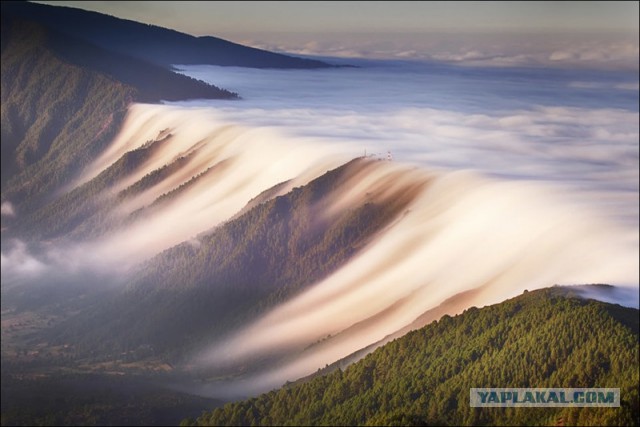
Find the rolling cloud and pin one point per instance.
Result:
(490, 122)
(561, 206)
(462, 233)
(522, 180)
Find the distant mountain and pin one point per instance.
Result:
(63, 99)
(154, 44)
(544, 338)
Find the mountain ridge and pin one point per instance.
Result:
(158, 45)
(61, 96)
(287, 246)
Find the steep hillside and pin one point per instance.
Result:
(62, 102)
(54, 115)
(545, 338)
(155, 44)
(203, 289)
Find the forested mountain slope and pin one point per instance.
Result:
(209, 287)
(544, 338)
(63, 100)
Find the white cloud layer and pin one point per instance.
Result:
(568, 129)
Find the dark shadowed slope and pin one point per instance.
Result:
(94, 399)
(545, 338)
(155, 44)
(63, 100)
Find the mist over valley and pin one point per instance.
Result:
(183, 229)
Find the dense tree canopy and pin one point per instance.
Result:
(545, 338)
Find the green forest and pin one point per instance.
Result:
(545, 338)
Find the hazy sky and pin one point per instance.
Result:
(586, 34)
(221, 17)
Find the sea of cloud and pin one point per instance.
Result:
(576, 129)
